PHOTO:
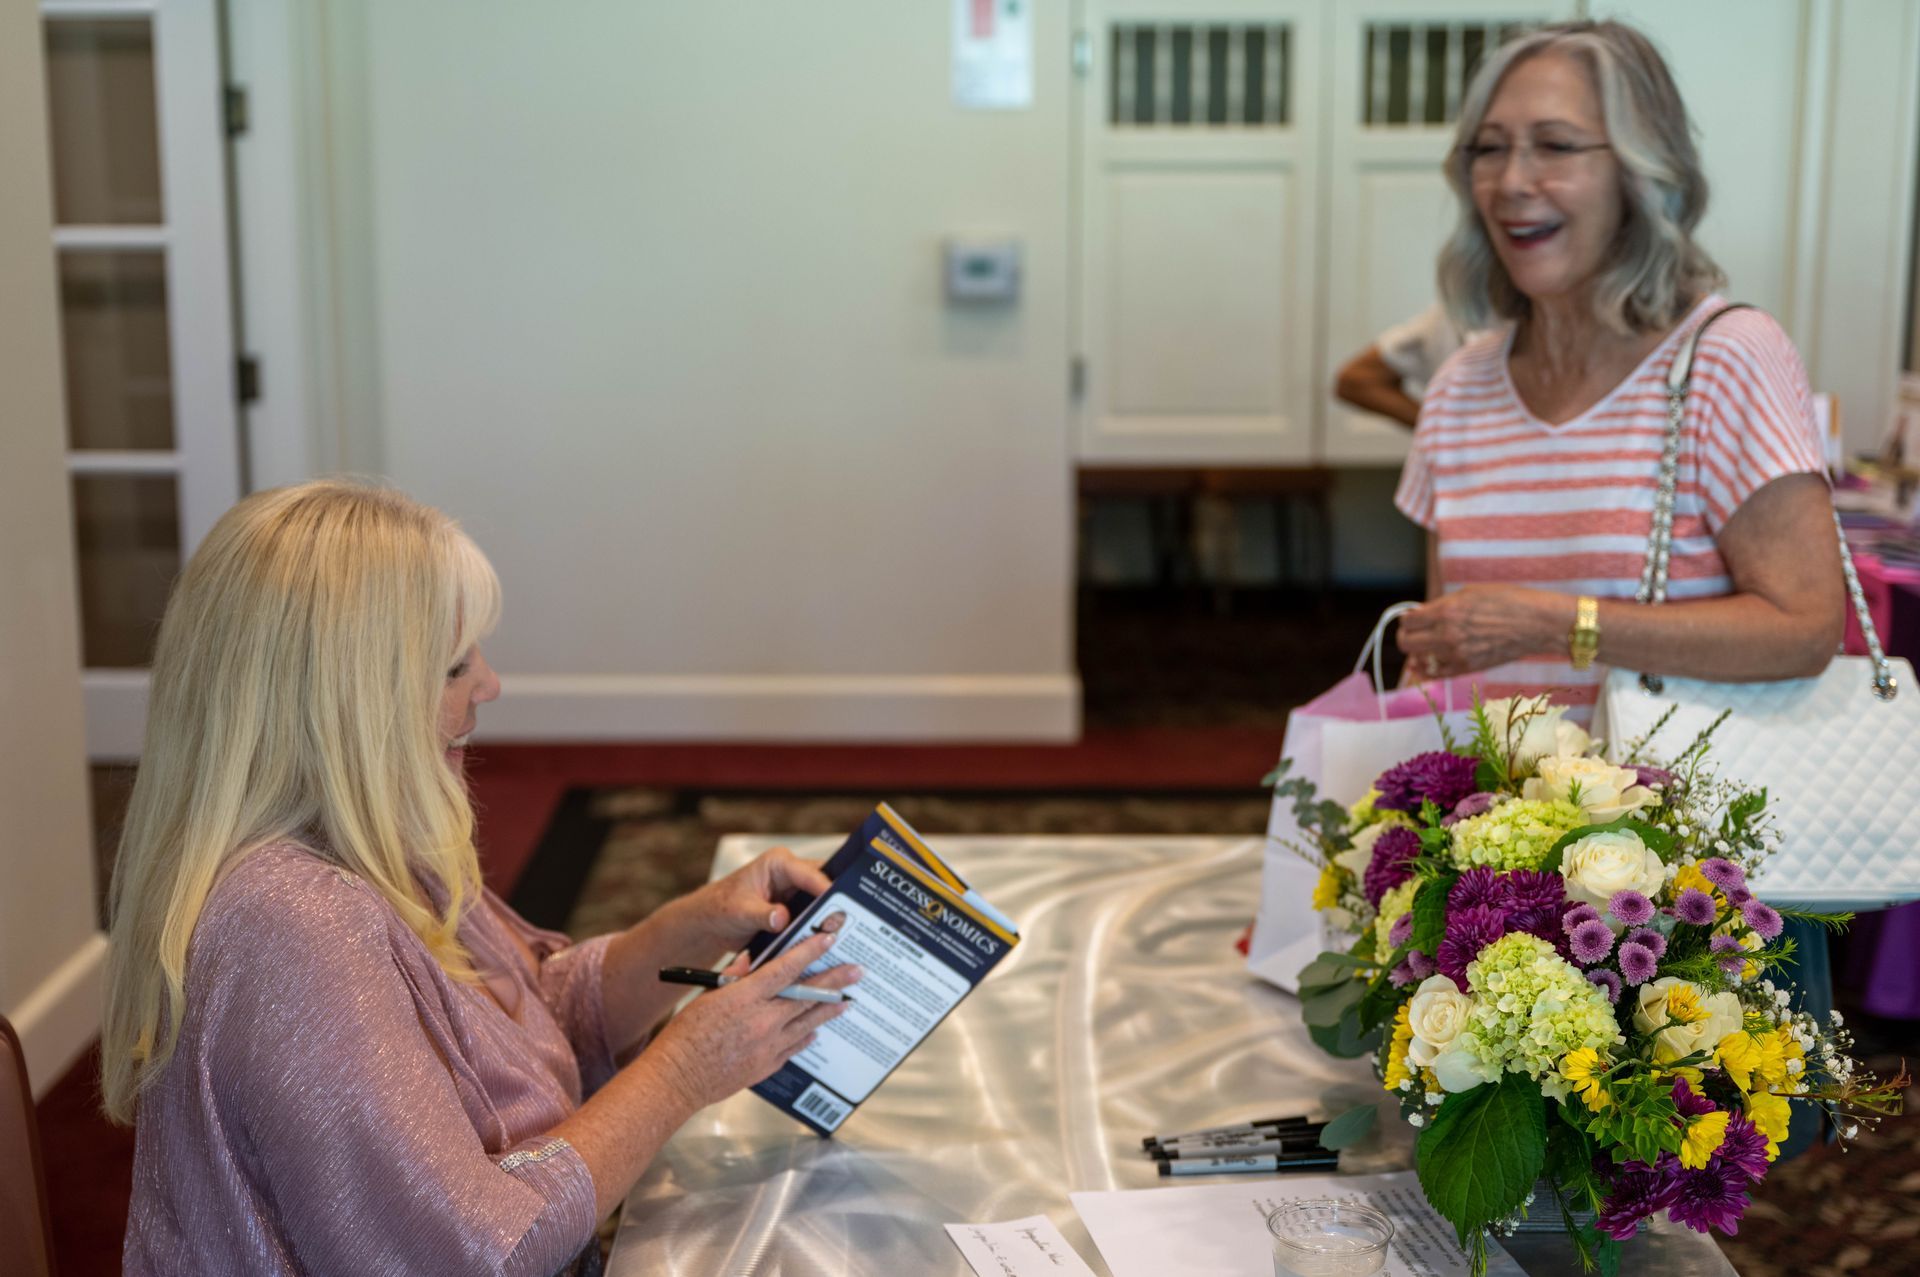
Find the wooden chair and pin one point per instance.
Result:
(26, 1225)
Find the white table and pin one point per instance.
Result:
(1123, 1012)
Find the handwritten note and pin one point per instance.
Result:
(1030, 1247)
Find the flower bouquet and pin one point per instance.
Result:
(1561, 972)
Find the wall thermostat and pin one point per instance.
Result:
(983, 271)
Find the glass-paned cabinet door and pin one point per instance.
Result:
(134, 105)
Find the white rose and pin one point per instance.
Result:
(1437, 1014)
(1600, 864)
(1672, 1041)
(1547, 733)
(1605, 792)
(1459, 1069)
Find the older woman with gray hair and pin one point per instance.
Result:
(1539, 449)
(1537, 457)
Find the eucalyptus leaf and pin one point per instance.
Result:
(1330, 969)
(1325, 1008)
(1345, 1040)
(1482, 1152)
(1349, 1128)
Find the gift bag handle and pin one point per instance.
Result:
(1376, 645)
(1653, 576)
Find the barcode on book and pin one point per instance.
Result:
(821, 1105)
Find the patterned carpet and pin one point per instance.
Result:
(1827, 1214)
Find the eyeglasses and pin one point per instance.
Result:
(1550, 161)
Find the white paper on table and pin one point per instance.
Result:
(1220, 1230)
(1018, 1248)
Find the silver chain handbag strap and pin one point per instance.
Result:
(1653, 576)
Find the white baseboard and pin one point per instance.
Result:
(712, 707)
(60, 1017)
(849, 708)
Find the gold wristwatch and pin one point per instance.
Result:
(1583, 641)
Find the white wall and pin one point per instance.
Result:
(1806, 111)
(50, 952)
(649, 297)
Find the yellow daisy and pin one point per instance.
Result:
(1396, 1070)
(1583, 1068)
(1326, 892)
(1770, 1115)
(1704, 1136)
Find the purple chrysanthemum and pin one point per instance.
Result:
(1592, 942)
(1421, 964)
(1651, 940)
(1637, 963)
(1402, 976)
(1401, 931)
(1690, 1102)
(1607, 980)
(1638, 1191)
(1763, 918)
(1393, 855)
(1441, 777)
(1723, 873)
(1475, 804)
(1544, 923)
(1630, 907)
(1713, 1198)
(1533, 889)
(1744, 1148)
(1477, 887)
(1468, 932)
(1578, 914)
(1736, 956)
(1693, 906)
(1657, 777)
(1738, 896)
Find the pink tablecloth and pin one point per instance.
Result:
(1879, 959)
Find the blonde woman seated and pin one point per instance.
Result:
(339, 1052)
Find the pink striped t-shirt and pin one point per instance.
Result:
(1569, 507)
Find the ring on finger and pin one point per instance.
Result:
(1433, 665)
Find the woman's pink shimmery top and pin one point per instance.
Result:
(338, 1105)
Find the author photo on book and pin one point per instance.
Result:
(339, 1052)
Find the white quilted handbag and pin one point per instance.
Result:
(1839, 754)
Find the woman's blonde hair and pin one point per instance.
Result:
(295, 695)
(1656, 271)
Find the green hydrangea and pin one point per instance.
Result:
(1392, 906)
(1532, 1007)
(1364, 813)
(1517, 834)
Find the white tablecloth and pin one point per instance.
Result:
(1123, 1012)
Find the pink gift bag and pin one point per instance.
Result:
(1341, 741)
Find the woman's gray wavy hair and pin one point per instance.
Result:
(1656, 271)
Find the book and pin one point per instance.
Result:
(925, 939)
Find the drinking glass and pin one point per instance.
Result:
(1328, 1237)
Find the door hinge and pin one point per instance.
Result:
(1077, 376)
(246, 378)
(1082, 53)
(234, 109)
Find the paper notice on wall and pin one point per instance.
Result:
(993, 54)
(1030, 1247)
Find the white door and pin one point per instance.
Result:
(1200, 163)
(1399, 69)
(135, 105)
